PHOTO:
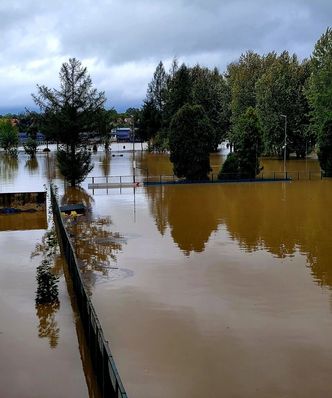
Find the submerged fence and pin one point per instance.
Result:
(107, 375)
(105, 182)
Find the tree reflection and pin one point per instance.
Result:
(50, 166)
(191, 217)
(32, 164)
(283, 219)
(95, 246)
(47, 301)
(48, 326)
(105, 165)
(8, 167)
(77, 195)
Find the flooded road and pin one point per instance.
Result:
(221, 290)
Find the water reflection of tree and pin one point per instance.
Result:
(105, 165)
(281, 219)
(94, 243)
(50, 166)
(32, 164)
(77, 195)
(158, 208)
(47, 302)
(48, 326)
(95, 246)
(8, 167)
(191, 217)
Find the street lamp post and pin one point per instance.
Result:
(285, 146)
(134, 160)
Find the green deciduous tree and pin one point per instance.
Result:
(242, 77)
(319, 89)
(69, 112)
(280, 91)
(8, 136)
(179, 93)
(209, 89)
(244, 162)
(188, 141)
(325, 148)
(319, 94)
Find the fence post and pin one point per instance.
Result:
(160, 179)
(274, 175)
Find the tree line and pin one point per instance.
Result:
(189, 111)
(247, 105)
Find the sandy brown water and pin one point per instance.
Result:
(40, 346)
(221, 290)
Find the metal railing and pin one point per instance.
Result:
(106, 372)
(123, 181)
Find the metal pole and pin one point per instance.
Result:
(285, 146)
(134, 161)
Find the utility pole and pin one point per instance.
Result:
(285, 146)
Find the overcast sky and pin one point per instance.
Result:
(122, 41)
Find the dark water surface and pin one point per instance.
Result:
(221, 290)
(40, 345)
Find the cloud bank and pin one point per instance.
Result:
(121, 42)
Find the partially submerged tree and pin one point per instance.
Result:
(188, 142)
(8, 136)
(325, 148)
(244, 162)
(69, 112)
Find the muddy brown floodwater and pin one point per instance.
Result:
(41, 346)
(205, 290)
(218, 290)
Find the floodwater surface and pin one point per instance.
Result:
(212, 289)
(43, 353)
(216, 289)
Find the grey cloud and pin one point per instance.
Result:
(39, 35)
